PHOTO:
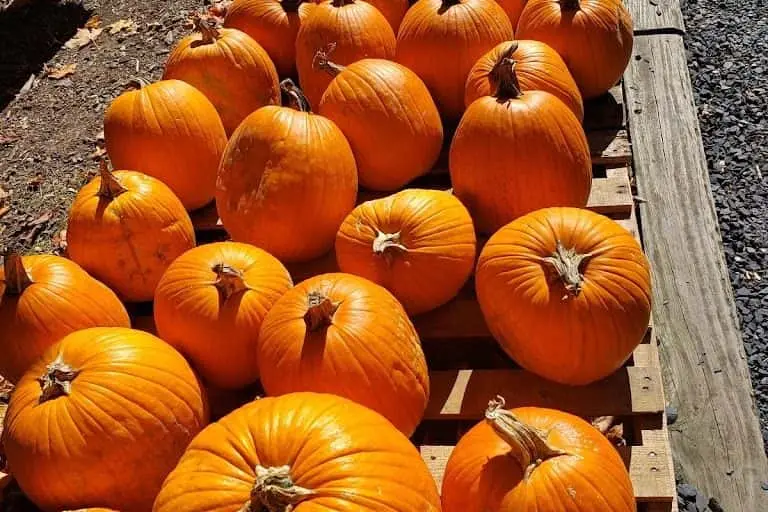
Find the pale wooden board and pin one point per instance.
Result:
(656, 16)
(716, 441)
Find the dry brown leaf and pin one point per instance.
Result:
(60, 72)
(93, 22)
(60, 242)
(83, 38)
(128, 25)
(4, 210)
(603, 423)
(616, 435)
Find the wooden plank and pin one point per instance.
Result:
(610, 147)
(716, 440)
(656, 16)
(611, 195)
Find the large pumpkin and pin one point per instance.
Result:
(170, 131)
(354, 28)
(342, 334)
(418, 244)
(303, 451)
(440, 40)
(125, 228)
(538, 68)
(566, 292)
(210, 303)
(287, 180)
(101, 419)
(515, 152)
(535, 459)
(274, 24)
(393, 10)
(388, 117)
(229, 67)
(594, 37)
(513, 8)
(43, 299)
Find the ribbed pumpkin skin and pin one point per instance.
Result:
(539, 68)
(513, 157)
(232, 70)
(513, 8)
(370, 337)
(437, 232)
(358, 31)
(440, 42)
(274, 24)
(217, 333)
(286, 182)
(349, 455)
(389, 119)
(393, 10)
(549, 331)
(61, 299)
(133, 408)
(482, 474)
(170, 131)
(595, 40)
(128, 241)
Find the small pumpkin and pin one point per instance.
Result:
(440, 40)
(274, 24)
(342, 334)
(302, 451)
(125, 228)
(287, 180)
(515, 152)
(109, 406)
(170, 131)
(594, 37)
(533, 458)
(388, 117)
(418, 244)
(566, 292)
(354, 28)
(210, 303)
(538, 68)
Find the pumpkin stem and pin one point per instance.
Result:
(274, 491)
(16, 278)
(528, 444)
(342, 3)
(109, 186)
(322, 60)
(505, 75)
(206, 25)
(320, 310)
(229, 280)
(291, 5)
(386, 244)
(570, 5)
(567, 263)
(295, 97)
(136, 82)
(57, 379)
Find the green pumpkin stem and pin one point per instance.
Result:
(570, 5)
(322, 60)
(291, 5)
(16, 277)
(505, 76)
(567, 263)
(229, 280)
(295, 97)
(206, 25)
(109, 187)
(57, 379)
(274, 491)
(320, 310)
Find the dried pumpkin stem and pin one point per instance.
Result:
(109, 186)
(136, 82)
(322, 60)
(567, 263)
(528, 444)
(57, 379)
(507, 84)
(295, 97)
(570, 5)
(320, 310)
(206, 25)
(387, 243)
(291, 5)
(16, 278)
(274, 491)
(342, 3)
(229, 280)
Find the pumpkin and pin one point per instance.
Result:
(107, 406)
(274, 24)
(533, 458)
(513, 8)
(229, 67)
(210, 303)
(354, 28)
(566, 292)
(170, 131)
(393, 10)
(287, 180)
(302, 451)
(125, 228)
(538, 68)
(342, 334)
(440, 40)
(515, 152)
(388, 117)
(43, 299)
(418, 244)
(594, 37)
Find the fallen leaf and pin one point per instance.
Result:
(83, 37)
(60, 242)
(4, 210)
(60, 72)
(603, 423)
(129, 26)
(93, 22)
(98, 154)
(616, 435)
(42, 219)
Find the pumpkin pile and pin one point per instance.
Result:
(287, 118)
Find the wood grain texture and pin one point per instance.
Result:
(716, 440)
(656, 16)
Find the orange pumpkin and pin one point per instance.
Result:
(274, 24)
(302, 451)
(566, 292)
(513, 8)
(287, 180)
(515, 152)
(418, 244)
(170, 131)
(538, 68)
(43, 298)
(342, 334)
(229, 67)
(210, 303)
(354, 28)
(535, 459)
(125, 228)
(594, 37)
(440, 40)
(102, 418)
(388, 116)
(393, 11)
